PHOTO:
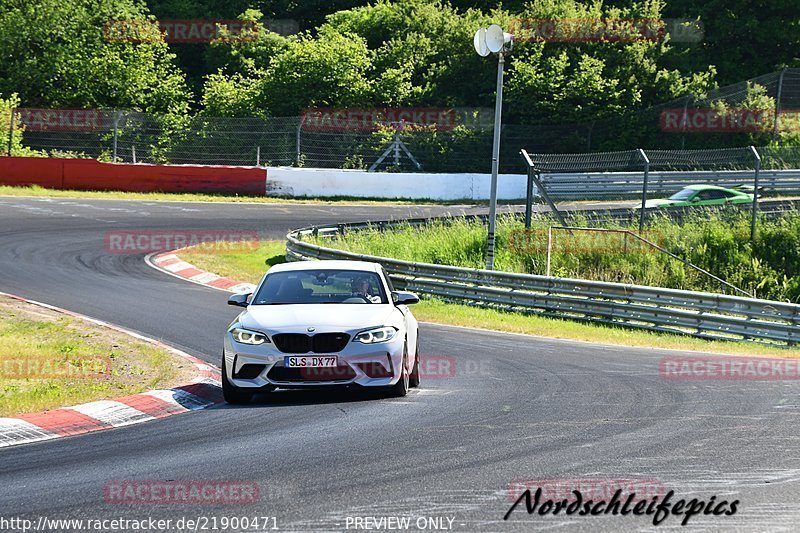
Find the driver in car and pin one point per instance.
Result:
(361, 288)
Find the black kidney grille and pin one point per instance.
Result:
(292, 342)
(319, 343)
(330, 342)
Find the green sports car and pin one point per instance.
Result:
(705, 195)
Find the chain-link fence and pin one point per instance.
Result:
(759, 112)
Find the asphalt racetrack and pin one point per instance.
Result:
(513, 407)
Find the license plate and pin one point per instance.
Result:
(310, 361)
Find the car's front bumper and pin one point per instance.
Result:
(262, 367)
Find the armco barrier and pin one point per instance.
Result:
(595, 185)
(699, 314)
(89, 174)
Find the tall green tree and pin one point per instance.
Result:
(58, 53)
(578, 78)
(742, 38)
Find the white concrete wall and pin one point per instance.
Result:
(320, 182)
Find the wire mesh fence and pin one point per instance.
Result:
(648, 180)
(763, 111)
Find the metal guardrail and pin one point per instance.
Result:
(699, 314)
(595, 185)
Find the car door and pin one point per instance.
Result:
(409, 322)
(711, 197)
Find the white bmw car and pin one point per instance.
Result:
(320, 324)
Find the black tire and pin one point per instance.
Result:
(233, 395)
(414, 378)
(400, 389)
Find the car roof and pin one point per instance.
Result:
(701, 187)
(363, 266)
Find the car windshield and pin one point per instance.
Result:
(321, 287)
(685, 194)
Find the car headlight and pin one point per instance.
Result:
(246, 336)
(372, 336)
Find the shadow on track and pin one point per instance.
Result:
(294, 397)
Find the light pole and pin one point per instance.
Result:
(494, 40)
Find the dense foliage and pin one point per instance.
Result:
(400, 52)
(55, 53)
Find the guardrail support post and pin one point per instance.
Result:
(644, 188)
(755, 193)
(11, 131)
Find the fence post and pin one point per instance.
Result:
(133, 153)
(116, 123)
(258, 156)
(540, 187)
(685, 121)
(644, 188)
(529, 199)
(11, 130)
(778, 105)
(297, 142)
(755, 193)
(549, 249)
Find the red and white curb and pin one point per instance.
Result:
(204, 391)
(173, 265)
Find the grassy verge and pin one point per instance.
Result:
(250, 266)
(49, 360)
(247, 263)
(718, 242)
(36, 191)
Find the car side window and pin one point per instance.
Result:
(710, 194)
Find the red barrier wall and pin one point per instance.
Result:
(32, 171)
(92, 175)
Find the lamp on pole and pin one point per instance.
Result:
(494, 40)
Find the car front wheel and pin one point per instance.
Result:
(414, 379)
(400, 389)
(232, 394)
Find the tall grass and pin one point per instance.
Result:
(717, 242)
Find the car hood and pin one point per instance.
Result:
(323, 317)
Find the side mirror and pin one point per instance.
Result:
(239, 300)
(404, 298)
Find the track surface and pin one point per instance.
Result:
(516, 407)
